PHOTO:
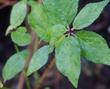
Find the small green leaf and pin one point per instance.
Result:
(14, 65)
(18, 13)
(94, 47)
(68, 59)
(1, 84)
(39, 21)
(89, 14)
(39, 59)
(57, 32)
(61, 11)
(9, 29)
(20, 36)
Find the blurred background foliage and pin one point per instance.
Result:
(93, 76)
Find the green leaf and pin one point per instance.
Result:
(9, 29)
(61, 11)
(39, 59)
(41, 19)
(57, 33)
(18, 13)
(89, 14)
(1, 84)
(68, 59)
(4, 88)
(20, 36)
(38, 21)
(94, 47)
(14, 65)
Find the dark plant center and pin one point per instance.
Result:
(69, 32)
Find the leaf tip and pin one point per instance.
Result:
(28, 73)
(1, 84)
(9, 29)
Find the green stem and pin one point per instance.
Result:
(16, 48)
(27, 81)
(24, 72)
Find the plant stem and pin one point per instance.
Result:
(27, 81)
(5, 3)
(23, 76)
(16, 48)
(44, 74)
(21, 81)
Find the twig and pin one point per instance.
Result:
(21, 81)
(40, 1)
(38, 83)
(23, 76)
(57, 80)
(16, 48)
(6, 3)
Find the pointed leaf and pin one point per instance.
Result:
(14, 65)
(57, 32)
(68, 59)
(39, 59)
(20, 36)
(89, 14)
(61, 11)
(94, 47)
(18, 13)
(1, 84)
(38, 21)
